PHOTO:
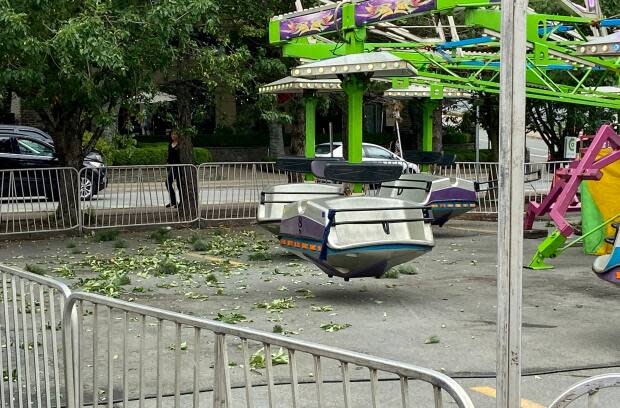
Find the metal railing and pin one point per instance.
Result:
(122, 196)
(477, 172)
(32, 332)
(588, 388)
(537, 190)
(231, 191)
(134, 353)
(139, 195)
(538, 180)
(38, 200)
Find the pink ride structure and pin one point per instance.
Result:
(562, 195)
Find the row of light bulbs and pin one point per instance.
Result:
(348, 68)
(300, 85)
(453, 94)
(599, 49)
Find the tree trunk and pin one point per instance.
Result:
(188, 177)
(225, 107)
(276, 140)
(67, 138)
(438, 128)
(489, 121)
(298, 138)
(298, 132)
(414, 142)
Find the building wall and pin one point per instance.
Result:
(24, 115)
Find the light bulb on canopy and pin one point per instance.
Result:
(426, 91)
(608, 45)
(291, 85)
(376, 64)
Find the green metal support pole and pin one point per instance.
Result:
(354, 86)
(355, 100)
(428, 108)
(427, 124)
(310, 102)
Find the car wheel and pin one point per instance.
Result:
(86, 188)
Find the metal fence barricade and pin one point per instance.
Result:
(231, 191)
(136, 354)
(124, 196)
(32, 331)
(588, 388)
(476, 172)
(541, 176)
(38, 200)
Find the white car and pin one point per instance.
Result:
(370, 153)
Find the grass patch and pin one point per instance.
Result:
(120, 243)
(108, 282)
(65, 272)
(231, 318)
(168, 267)
(200, 246)
(195, 237)
(260, 256)
(161, 235)
(257, 361)
(406, 269)
(211, 279)
(71, 244)
(276, 305)
(36, 269)
(334, 327)
(279, 329)
(393, 273)
(107, 235)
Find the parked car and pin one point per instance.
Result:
(370, 153)
(27, 148)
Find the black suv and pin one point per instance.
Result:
(26, 148)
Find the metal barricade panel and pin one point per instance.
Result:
(38, 200)
(588, 389)
(132, 353)
(231, 191)
(476, 172)
(125, 196)
(538, 189)
(141, 195)
(33, 357)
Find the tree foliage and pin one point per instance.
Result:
(75, 61)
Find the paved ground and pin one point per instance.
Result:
(570, 318)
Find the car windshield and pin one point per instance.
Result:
(324, 148)
(375, 152)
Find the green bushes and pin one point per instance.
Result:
(152, 154)
(469, 155)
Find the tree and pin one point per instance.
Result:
(554, 121)
(74, 62)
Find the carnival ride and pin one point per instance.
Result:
(603, 151)
(446, 198)
(343, 46)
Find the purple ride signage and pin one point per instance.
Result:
(372, 11)
(366, 12)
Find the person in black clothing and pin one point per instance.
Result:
(174, 158)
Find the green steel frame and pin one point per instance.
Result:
(470, 65)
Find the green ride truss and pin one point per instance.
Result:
(470, 64)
